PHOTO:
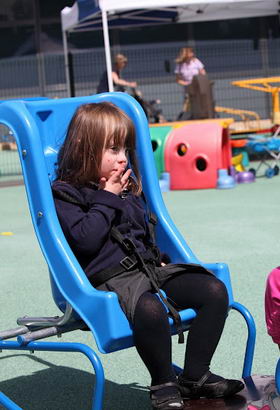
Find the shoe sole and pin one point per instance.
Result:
(211, 395)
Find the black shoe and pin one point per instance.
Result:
(223, 388)
(171, 401)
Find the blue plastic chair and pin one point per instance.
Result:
(39, 128)
(277, 377)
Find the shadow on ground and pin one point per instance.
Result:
(61, 388)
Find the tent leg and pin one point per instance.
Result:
(66, 62)
(107, 50)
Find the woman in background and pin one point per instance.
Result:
(119, 83)
(187, 66)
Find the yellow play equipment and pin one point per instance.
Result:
(237, 163)
(249, 120)
(264, 84)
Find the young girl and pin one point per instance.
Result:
(99, 204)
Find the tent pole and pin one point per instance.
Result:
(66, 62)
(107, 50)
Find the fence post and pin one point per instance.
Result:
(71, 74)
(41, 73)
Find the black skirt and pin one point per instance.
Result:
(130, 285)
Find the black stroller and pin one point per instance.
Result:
(151, 108)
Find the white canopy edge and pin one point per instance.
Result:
(228, 10)
(69, 17)
(117, 5)
(189, 10)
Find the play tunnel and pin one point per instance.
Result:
(158, 137)
(194, 153)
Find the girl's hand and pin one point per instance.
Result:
(117, 182)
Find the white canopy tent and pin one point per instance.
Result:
(87, 15)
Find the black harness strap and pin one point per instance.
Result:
(127, 264)
(68, 198)
(133, 260)
(129, 247)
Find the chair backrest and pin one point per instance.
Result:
(39, 128)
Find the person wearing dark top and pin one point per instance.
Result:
(98, 198)
(119, 83)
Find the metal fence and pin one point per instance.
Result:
(9, 159)
(152, 66)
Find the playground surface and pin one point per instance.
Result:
(239, 226)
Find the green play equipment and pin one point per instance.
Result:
(158, 138)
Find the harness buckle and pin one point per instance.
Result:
(128, 245)
(128, 263)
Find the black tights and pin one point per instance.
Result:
(204, 293)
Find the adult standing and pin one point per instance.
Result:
(187, 66)
(120, 61)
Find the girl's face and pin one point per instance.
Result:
(114, 158)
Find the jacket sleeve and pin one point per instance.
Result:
(88, 231)
(272, 304)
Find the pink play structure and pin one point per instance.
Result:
(194, 154)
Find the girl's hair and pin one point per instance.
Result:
(93, 128)
(184, 54)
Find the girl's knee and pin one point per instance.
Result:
(218, 291)
(150, 315)
(149, 304)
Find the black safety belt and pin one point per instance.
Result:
(129, 247)
(133, 260)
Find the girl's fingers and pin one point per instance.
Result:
(102, 183)
(117, 175)
(117, 181)
(126, 175)
(125, 178)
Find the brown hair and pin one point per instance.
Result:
(93, 128)
(120, 58)
(184, 55)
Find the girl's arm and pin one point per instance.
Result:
(88, 231)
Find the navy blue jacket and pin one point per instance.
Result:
(87, 228)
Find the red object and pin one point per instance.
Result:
(196, 166)
(238, 143)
